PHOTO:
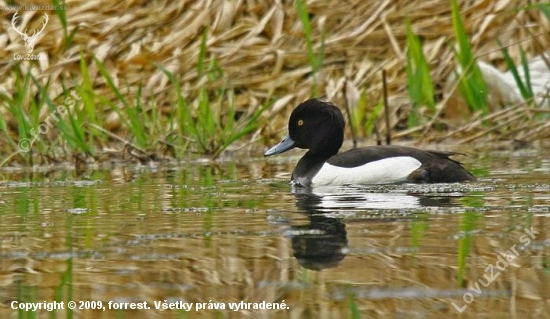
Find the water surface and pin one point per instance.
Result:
(235, 231)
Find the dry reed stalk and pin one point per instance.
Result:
(492, 129)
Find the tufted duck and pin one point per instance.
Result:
(319, 126)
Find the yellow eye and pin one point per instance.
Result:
(300, 122)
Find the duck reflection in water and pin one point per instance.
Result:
(323, 243)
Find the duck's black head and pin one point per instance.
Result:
(315, 125)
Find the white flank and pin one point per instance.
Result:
(384, 171)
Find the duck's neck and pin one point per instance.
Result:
(308, 166)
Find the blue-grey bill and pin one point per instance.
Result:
(286, 144)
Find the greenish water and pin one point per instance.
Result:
(212, 234)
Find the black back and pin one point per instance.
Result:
(437, 166)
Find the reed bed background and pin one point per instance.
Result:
(167, 79)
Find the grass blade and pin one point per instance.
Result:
(421, 89)
(472, 84)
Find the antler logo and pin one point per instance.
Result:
(29, 41)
